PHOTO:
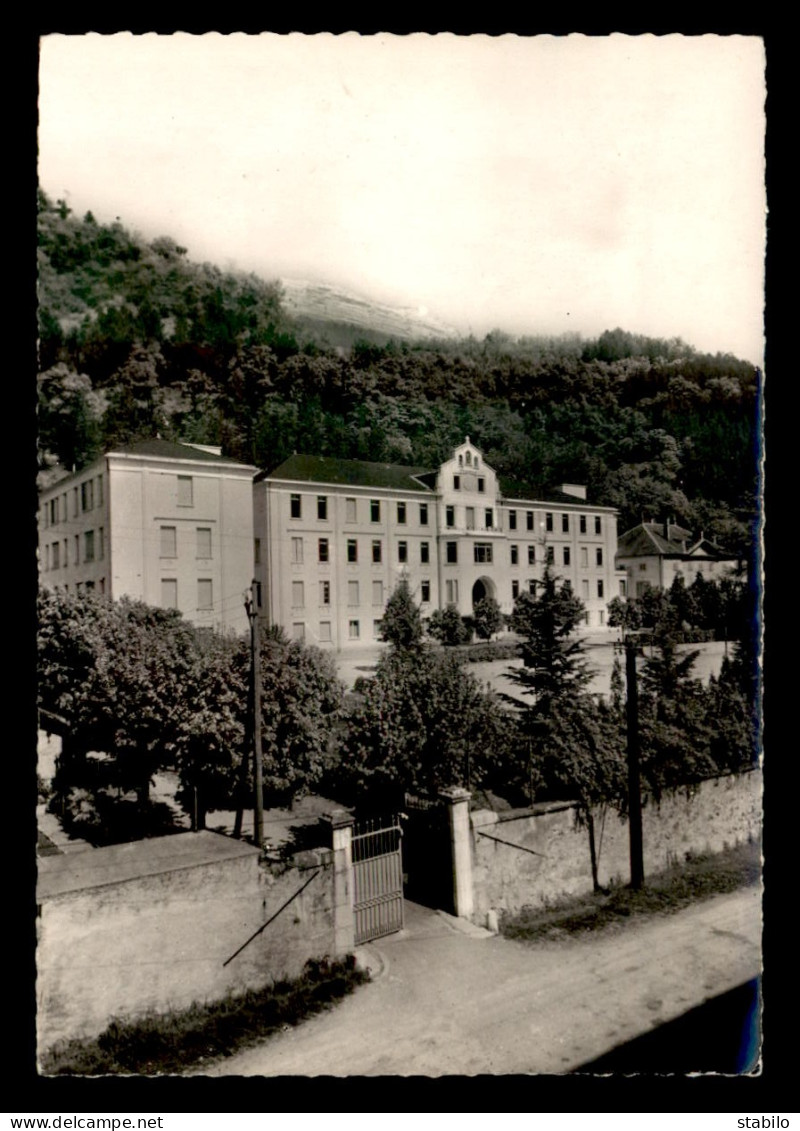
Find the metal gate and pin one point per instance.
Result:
(378, 878)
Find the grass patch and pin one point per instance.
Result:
(174, 1042)
(699, 877)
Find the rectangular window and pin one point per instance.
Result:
(585, 590)
(324, 592)
(169, 593)
(598, 555)
(257, 551)
(470, 518)
(551, 555)
(602, 617)
(401, 513)
(402, 551)
(295, 506)
(47, 557)
(532, 588)
(53, 512)
(377, 593)
(565, 524)
(450, 516)
(529, 520)
(354, 629)
(350, 510)
(452, 553)
(375, 510)
(423, 514)
(483, 552)
(548, 521)
(598, 527)
(205, 593)
(322, 508)
(481, 485)
(323, 550)
(65, 507)
(325, 631)
(451, 590)
(456, 482)
(66, 551)
(514, 590)
(377, 552)
(297, 550)
(185, 491)
(352, 550)
(623, 587)
(298, 630)
(87, 495)
(352, 592)
(582, 523)
(204, 541)
(376, 629)
(425, 591)
(74, 502)
(88, 546)
(512, 520)
(99, 490)
(489, 516)
(566, 555)
(101, 545)
(298, 595)
(169, 541)
(77, 554)
(424, 552)
(515, 555)
(600, 587)
(584, 557)
(531, 555)
(56, 555)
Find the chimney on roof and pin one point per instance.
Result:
(666, 529)
(575, 489)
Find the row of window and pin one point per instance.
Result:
(351, 510)
(401, 513)
(353, 593)
(85, 497)
(457, 484)
(88, 586)
(585, 589)
(483, 552)
(57, 554)
(168, 541)
(205, 593)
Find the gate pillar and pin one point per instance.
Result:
(341, 827)
(460, 848)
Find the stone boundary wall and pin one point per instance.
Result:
(551, 861)
(158, 942)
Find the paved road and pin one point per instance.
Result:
(443, 1002)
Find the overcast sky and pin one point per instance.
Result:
(538, 185)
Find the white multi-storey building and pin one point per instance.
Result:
(333, 538)
(170, 524)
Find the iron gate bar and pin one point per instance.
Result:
(378, 878)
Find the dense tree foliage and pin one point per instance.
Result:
(147, 691)
(401, 624)
(143, 340)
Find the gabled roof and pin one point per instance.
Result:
(352, 472)
(648, 539)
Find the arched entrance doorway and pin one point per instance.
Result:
(484, 587)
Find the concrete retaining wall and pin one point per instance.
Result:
(552, 860)
(114, 943)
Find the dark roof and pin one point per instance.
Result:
(648, 540)
(353, 472)
(169, 449)
(522, 492)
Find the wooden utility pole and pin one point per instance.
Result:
(634, 785)
(251, 606)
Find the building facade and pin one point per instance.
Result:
(334, 537)
(170, 524)
(655, 553)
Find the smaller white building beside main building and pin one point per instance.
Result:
(170, 524)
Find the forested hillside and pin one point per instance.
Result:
(137, 339)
